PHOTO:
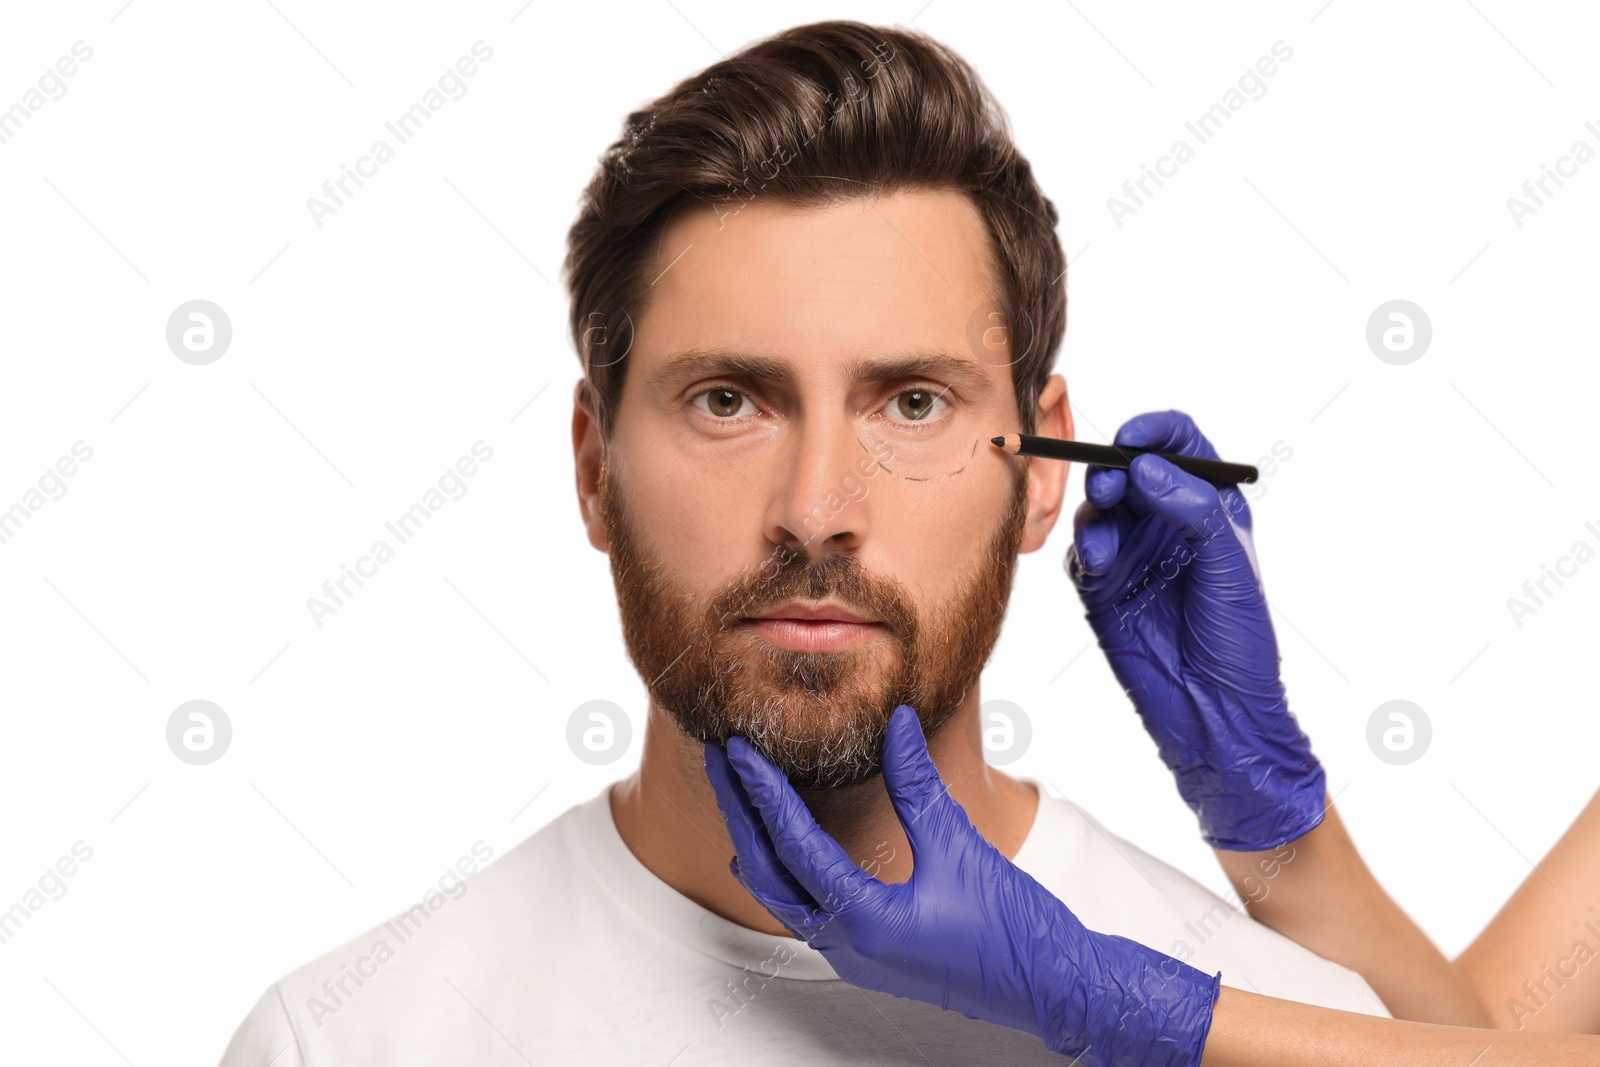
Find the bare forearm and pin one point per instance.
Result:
(1250, 1030)
(1533, 965)
(1318, 892)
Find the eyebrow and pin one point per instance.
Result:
(937, 365)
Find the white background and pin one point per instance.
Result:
(428, 313)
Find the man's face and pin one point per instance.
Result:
(729, 495)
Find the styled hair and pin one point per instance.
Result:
(816, 114)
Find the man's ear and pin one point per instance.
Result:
(586, 451)
(1047, 478)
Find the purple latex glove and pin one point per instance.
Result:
(970, 931)
(1165, 566)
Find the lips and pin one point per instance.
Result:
(803, 627)
(815, 613)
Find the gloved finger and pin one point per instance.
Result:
(1162, 431)
(818, 862)
(1166, 431)
(1097, 536)
(1104, 486)
(1238, 506)
(1222, 561)
(755, 863)
(1159, 431)
(1224, 601)
(934, 823)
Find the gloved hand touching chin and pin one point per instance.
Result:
(1165, 566)
(969, 931)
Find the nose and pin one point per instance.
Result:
(817, 490)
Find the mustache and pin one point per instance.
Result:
(788, 575)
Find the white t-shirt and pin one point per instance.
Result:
(567, 950)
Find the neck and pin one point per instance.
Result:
(667, 814)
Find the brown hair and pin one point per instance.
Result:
(814, 114)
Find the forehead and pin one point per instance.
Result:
(887, 274)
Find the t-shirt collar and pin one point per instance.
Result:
(669, 912)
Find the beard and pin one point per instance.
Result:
(820, 717)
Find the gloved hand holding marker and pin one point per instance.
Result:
(1165, 565)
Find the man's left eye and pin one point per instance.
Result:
(917, 404)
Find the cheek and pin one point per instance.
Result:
(693, 526)
(938, 541)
